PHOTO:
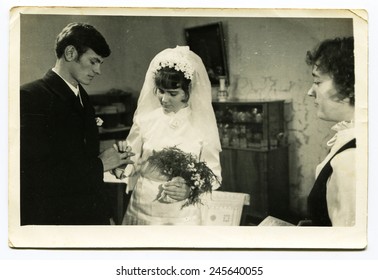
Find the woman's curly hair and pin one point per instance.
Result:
(336, 58)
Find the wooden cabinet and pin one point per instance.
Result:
(116, 109)
(254, 155)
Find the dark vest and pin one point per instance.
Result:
(317, 199)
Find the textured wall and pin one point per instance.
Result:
(266, 60)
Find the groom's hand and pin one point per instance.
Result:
(111, 158)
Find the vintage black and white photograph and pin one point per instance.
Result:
(188, 128)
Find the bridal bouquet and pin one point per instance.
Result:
(173, 162)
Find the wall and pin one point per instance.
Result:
(266, 60)
(134, 41)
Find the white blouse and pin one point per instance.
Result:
(341, 186)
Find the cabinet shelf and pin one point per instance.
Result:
(251, 124)
(254, 155)
(120, 128)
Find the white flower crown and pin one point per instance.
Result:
(177, 60)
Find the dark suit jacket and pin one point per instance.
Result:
(61, 174)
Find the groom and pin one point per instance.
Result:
(61, 168)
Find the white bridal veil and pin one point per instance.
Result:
(203, 117)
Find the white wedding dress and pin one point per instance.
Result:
(156, 131)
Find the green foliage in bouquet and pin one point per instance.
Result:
(173, 162)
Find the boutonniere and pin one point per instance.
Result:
(99, 121)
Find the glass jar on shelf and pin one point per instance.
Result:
(228, 114)
(243, 137)
(225, 140)
(220, 130)
(248, 116)
(259, 118)
(249, 138)
(258, 139)
(253, 114)
(242, 117)
(222, 91)
(235, 140)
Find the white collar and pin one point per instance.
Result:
(176, 119)
(343, 129)
(183, 112)
(343, 125)
(74, 89)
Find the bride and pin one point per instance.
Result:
(174, 110)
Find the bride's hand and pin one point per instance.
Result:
(177, 189)
(122, 147)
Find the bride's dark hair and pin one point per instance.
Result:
(170, 78)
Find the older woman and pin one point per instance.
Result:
(332, 200)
